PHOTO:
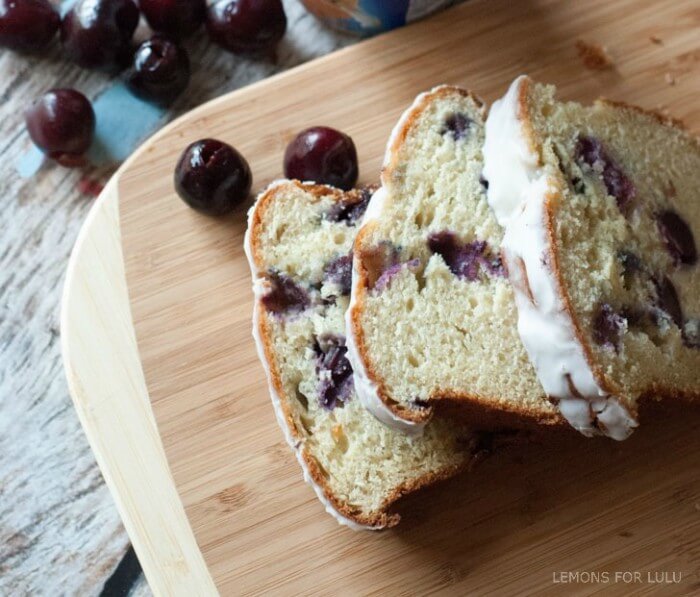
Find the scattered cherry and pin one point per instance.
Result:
(97, 33)
(27, 25)
(324, 155)
(246, 26)
(175, 18)
(62, 124)
(212, 177)
(160, 71)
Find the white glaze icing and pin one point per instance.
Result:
(517, 190)
(365, 388)
(297, 445)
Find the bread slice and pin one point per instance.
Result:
(600, 206)
(432, 321)
(298, 243)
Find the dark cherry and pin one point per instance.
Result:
(284, 294)
(212, 177)
(590, 151)
(97, 33)
(62, 124)
(350, 212)
(465, 260)
(336, 381)
(175, 18)
(339, 271)
(246, 26)
(608, 327)
(160, 70)
(27, 25)
(324, 155)
(457, 125)
(667, 300)
(678, 237)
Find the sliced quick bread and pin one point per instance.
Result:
(601, 211)
(298, 243)
(432, 322)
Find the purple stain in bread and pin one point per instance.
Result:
(667, 300)
(678, 237)
(591, 152)
(457, 125)
(334, 370)
(391, 271)
(465, 260)
(350, 212)
(461, 259)
(284, 295)
(339, 272)
(608, 327)
(484, 183)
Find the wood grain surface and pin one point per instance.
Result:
(563, 505)
(59, 530)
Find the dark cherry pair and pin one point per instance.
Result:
(212, 177)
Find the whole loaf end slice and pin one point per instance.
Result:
(299, 243)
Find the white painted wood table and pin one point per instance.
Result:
(60, 533)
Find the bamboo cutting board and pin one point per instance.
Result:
(163, 371)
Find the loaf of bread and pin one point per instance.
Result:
(432, 319)
(299, 243)
(600, 209)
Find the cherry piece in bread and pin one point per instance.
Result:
(678, 237)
